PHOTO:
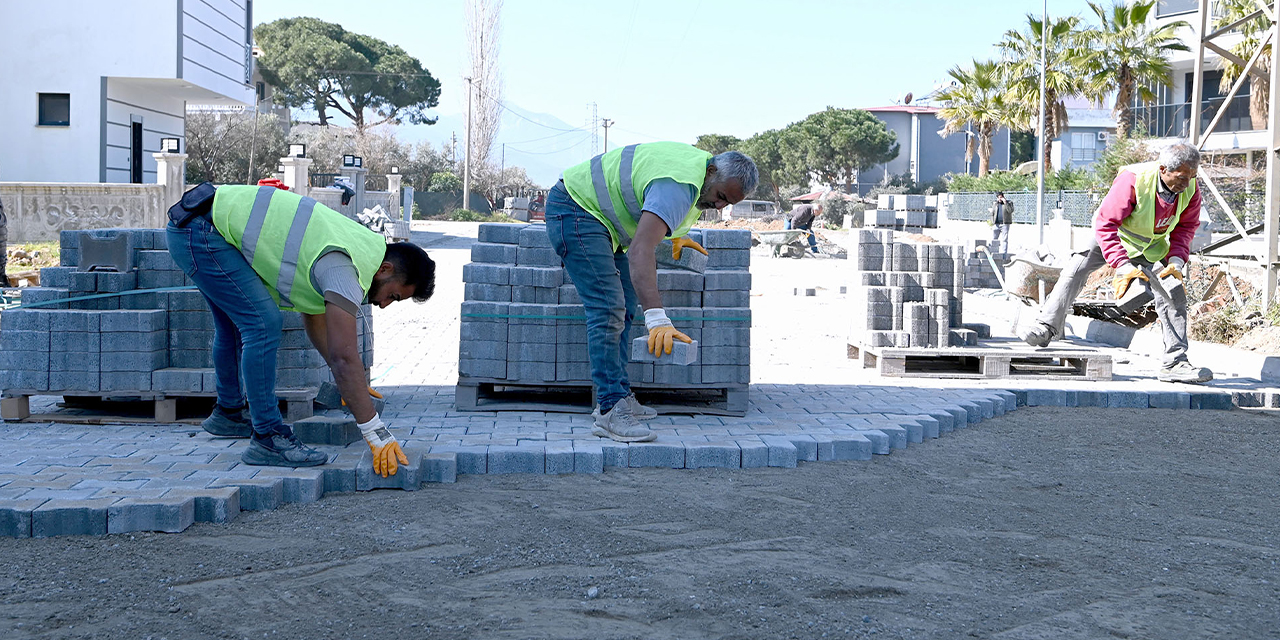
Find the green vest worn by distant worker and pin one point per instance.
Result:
(611, 186)
(282, 234)
(1138, 231)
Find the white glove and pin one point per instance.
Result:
(1125, 269)
(387, 455)
(376, 433)
(656, 318)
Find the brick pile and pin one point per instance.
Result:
(523, 322)
(977, 269)
(904, 212)
(154, 342)
(906, 294)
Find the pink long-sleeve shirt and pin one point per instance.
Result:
(1119, 204)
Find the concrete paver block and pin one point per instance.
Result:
(215, 504)
(171, 514)
(588, 457)
(407, 476)
(440, 467)
(682, 353)
(60, 517)
(508, 459)
(300, 485)
(559, 458)
(782, 451)
(503, 233)
(690, 260)
(719, 455)
(668, 455)
(256, 494)
(15, 517)
(755, 454)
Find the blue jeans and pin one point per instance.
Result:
(603, 280)
(246, 321)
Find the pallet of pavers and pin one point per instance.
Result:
(524, 336)
(906, 318)
(141, 331)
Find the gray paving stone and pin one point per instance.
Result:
(880, 441)
(682, 353)
(726, 239)
(559, 458)
(256, 494)
(15, 517)
(826, 446)
(440, 467)
(806, 447)
(541, 277)
(479, 273)
(493, 253)
(782, 452)
(71, 517)
(170, 514)
(727, 281)
(218, 504)
(503, 233)
(718, 454)
(669, 455)
(1169, 400)
(407, 477)
(534, 235)
(616, 454)
(134, 320)
(1092, 398)
(851, 446)
(505, 459)
(1211, 400)
(588, 457)
(471, 460)
(300, 485)
(1127, 399)
(755, 454)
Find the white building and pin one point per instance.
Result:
(90, 87)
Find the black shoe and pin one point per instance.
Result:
(281, 450)
(233, 423)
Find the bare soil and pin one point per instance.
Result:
(1265, 340)
(1046, 523)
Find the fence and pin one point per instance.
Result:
(1077, 206)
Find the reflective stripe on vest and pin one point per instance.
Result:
(624, 172)
(606, 203)
(293, 247)
(257, 218)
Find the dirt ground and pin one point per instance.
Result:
(1046, 523)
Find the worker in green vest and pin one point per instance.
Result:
(1147, 219)
(605, 218)
(254, 250)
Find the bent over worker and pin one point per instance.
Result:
(253, 250)
(1149, 216)
(606, 218)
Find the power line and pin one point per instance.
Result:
(546, 153)
(522, 116)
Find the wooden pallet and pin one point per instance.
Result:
(16, 405)
(488, 394)
(985, 362)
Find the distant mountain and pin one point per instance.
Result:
(541, 143)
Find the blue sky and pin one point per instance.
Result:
(674, 69)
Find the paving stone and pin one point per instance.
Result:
(669, 455)
(755, 454)
(493, 253)
(782, 452)
(1091, 398)
(407, 477)
(690, 260)
(15, 516)
(719, 455)
(1211, 400)
(338, 431)
(682, 353)
(726, 239)
(471, 460)
(440, 467)
(1169, 400)
(559, 458)
(300, 485)
(1049, 398)
(806, 448)
(851, 446)
(171, 514)
(503, 233)
(216, 504)
(727, 281)
(504, 459)
(880, 441)
(256, 494)
(59, 517)
(1127, 399)
(945, 421)
(588, 457)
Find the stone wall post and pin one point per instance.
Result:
(297, 173)
(393, 186)
(171, 172)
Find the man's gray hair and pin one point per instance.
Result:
(1179, 155)
(737, 166)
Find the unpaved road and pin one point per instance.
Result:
(1046, 523)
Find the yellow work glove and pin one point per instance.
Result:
(662, 334)
(372, 392)
(1174, 268)
(386, 451)
(1125, 276)
(678, 245)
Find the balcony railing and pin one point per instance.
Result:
(1173, 120)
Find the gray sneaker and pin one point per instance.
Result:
(282, 450)
(228, 424)
(618, 424)
(1184, 371)
(639, 411)
(1036, 334)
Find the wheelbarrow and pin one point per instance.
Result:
(790, 243)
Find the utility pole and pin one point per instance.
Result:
(606, 123)
(1044, 45)
(466, 166)
(595, 121)
(453, 152)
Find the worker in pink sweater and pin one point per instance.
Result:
(1147, 219)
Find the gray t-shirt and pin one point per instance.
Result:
(669, 200)
(335, 276)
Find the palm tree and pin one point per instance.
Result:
(979, 101)
(1123, 56)
(1251, 32)
(1021, 71)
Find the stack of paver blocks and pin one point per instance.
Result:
(154, 342)
(977, 269)
(523, 322)
(905, 212)
(906, 294)
(517, 208)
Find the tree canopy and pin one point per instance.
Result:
(836, 144)
(718, 143)
(320, 65)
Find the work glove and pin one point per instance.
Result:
(678, 245)
(1174, 268)
(386, 451)
(372, 392)
(1125, 275)
(662, 334)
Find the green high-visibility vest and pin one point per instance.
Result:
(282, 234)
(611, 186)
(1138, 231)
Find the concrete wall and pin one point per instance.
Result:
(931, 155)
(39, 212)
(214, 46)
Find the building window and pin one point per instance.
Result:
(1084, 148)
(1174, 7)
(55, 110)
(262, 91)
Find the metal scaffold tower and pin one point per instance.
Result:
(1212, 41)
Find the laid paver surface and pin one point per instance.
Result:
(808, 403)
